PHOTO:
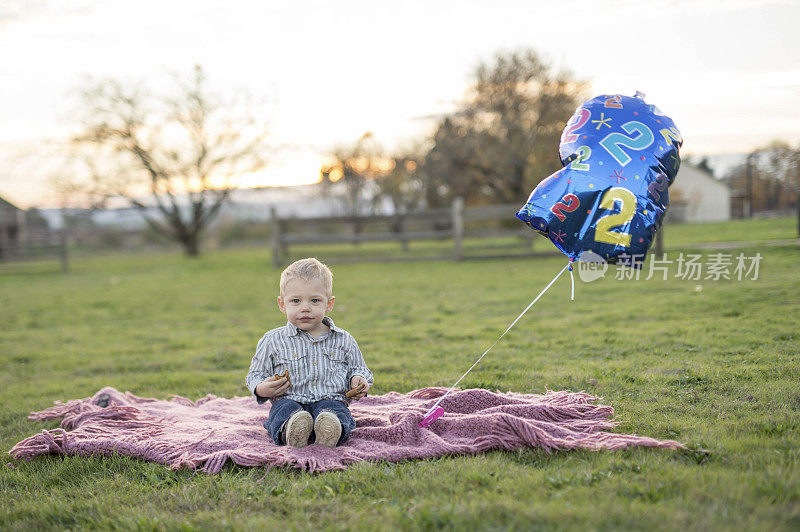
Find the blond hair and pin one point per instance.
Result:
(309, 270)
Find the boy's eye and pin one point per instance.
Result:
(315, 300)
(295, 300)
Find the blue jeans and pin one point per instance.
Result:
(283, 409)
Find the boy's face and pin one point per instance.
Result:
(305, 304)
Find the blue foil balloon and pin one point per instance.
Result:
(620, 155)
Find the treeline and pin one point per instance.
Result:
(499, 142)
(175, 156)
(768, 181)
(181, 151)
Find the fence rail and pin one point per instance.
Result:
(456, 223)
(33, 248)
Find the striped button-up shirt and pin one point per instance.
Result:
(319, 368)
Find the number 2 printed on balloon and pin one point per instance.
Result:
(614, 102)
(584, 152)
(613, 141)
(605, 223)
(572, 203)
(588, 205)
(672, 135)
(581, 118)
(656, 187)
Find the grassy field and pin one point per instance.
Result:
(676, 237)
(715, 364)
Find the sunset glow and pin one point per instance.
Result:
(302, 169)
(726, 71)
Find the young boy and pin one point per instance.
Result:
(324, 363)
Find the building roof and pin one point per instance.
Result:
(7, 205)
(8, 212)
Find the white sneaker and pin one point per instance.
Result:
(327, 429)
(298, 429)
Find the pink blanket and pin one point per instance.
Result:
(210, 431)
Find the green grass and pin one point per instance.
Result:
(676, 237)
(755, 230)
(717, 368)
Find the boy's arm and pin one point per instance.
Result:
(260, 368)
(357, 365)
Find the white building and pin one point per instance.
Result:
(696, 196)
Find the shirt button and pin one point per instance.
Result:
(315, 383)
(315, 363)
(295, 355)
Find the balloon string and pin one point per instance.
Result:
(501, 336)
(572, 280)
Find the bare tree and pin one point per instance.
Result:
(176, 158)
(402, 184)
(503, 138)
(402, 187)
(769, 180)
(372, 178)
(782, 165)
(353, 170)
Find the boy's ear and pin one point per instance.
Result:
(281, 305)
(330, 303)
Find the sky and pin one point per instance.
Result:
(727, 72)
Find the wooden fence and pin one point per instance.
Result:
(457, 223)
(35, 248)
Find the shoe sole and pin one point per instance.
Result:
(327, 429)
(298, 429)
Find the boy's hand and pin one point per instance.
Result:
(355, 382)
(273, 387)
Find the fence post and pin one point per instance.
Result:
(4, 251)
(277, 247)
(457, 214)
(22, 233)
(660, 240)
(401, 228)
(528, 236)
(62, 248)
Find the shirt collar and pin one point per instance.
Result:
(292, 330)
